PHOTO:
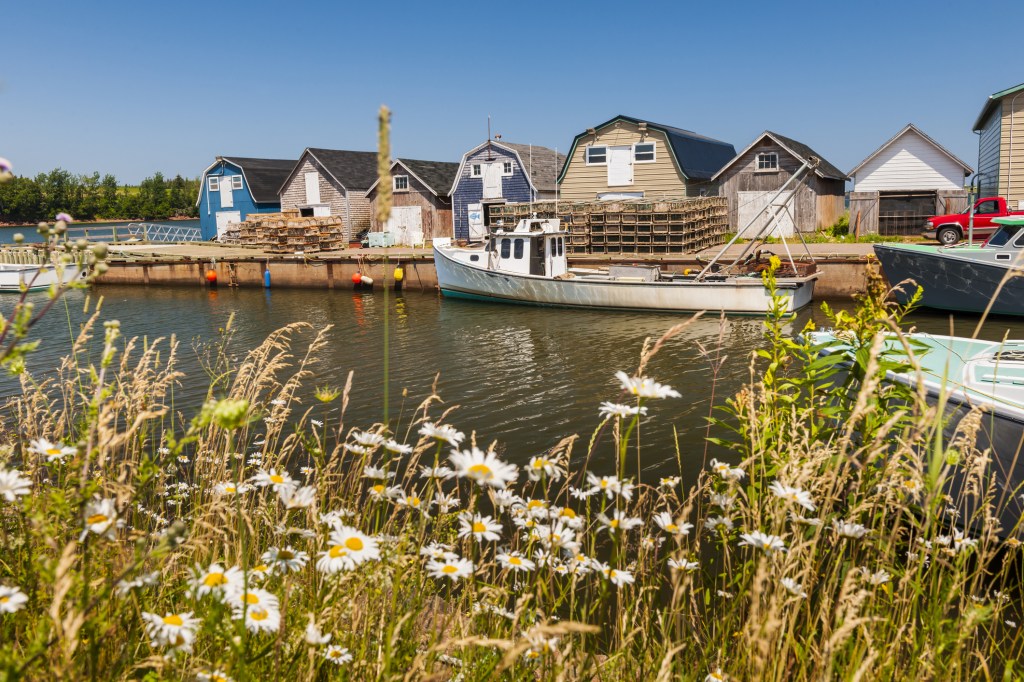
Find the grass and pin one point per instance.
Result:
(819, 547)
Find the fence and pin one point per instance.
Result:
(146, 232)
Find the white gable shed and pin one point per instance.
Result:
(908, 179)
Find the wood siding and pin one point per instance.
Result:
(352, 206)
(469, 190)
(864, 212)
(1011, 149)
(988, 152)
(656, 180)
(435, 212)
(908, 163)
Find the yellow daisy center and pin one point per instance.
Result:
(604, 484)
(215, 580)
(334, 653)
(449, 569)
(555, 537)
(379, 488)
(337, 551)
(251, 598)
(53, 451)
(515, 561)
(671, 528)
(479, 527)
(480, 470)
(540, 463)
(259, 614)
(97, 518)
(413, 501)
(568, 513)
(286, 554)
(4, 600)
(262, 568)
(173, 620)
(614, 523)
(276, 478)
(533, 504)
(230, 489)
(354, 543)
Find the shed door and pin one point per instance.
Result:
(406, 225)
(225, 217)
(227, 196)
(475, 218)
(620, 166)
(492, 180)
(750, 203)
(312, 188)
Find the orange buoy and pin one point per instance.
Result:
(211, 276)
(357, 278)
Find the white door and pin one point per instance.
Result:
(224, 218)
(475, 215)
(492, 181)
(227, 196)
(406, 225)
(750, 203)
(620, 166)
(312, 188)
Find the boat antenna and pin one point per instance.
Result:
(532, 190)
(490, 157)
(557, 170)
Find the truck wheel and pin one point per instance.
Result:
(948, 236)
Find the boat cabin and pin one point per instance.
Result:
(535, 247)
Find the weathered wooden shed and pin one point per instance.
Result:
(332, 182)
(904, 182)
(1000, 128)
(751, 180)
(421, 208)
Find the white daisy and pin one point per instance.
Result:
(610, 486)
(259, 617)
(451, 567)
(442, 472)
(392, 445)
(610, 409)
(176, 631)
(515, 561)
(11, 599)
(713, 523)
(542, 466)
(368, 440)
(763, 541)
(53, 452)
(794, 495)
(683, 565)
(483, 467)
(848, 529)
(313, 636)
(337, 654)
(479, 527)
(957, 542)
(442, 432)
(794, 588)
(715, 675)
(617, 576)
(101, 517)
(619, 522)
(437, 550)
(13, 484)
(216, 580)
(669, 482)
(347, 548)
(285, 560)
(644, 387)
(674, 527)
(297, 498)
(272, 478)
(557, 536)
(446, 503)
(213, 676)
(722, 501)
(415, 502)
(727, 472)
(377, 473)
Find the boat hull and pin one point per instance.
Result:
(15, 278)
(950, 282)
(740, 295)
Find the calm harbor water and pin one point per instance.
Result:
(523, 376)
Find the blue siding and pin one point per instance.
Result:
(209, 202)
(469, 190)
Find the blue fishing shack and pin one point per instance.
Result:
(233, 187)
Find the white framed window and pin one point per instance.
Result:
(597, 156)
(507, 167)
(236, 182)
(644, 152)
(767, 161)
(476, 170)
(213, 184)
(401, 183)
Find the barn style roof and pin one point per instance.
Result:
(540, 164)
(437, 176)
(799, 150)
(353, 170)
(262, 176)
(697, 157)
(907, 128)
(991, 102)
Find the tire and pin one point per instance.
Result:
(948, 236)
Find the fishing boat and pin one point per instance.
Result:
(22, 270)
(528, 265)
(967, 374)
(964, 277)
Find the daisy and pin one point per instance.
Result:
(515, 561)
(368, 440)
(804, 520)
(446, 503)
(377, 473)
(441, 473)
(722, 501)
(213, 676)
(347, 548)
(392, 445)
(53, 452)
(313, 635)
(125, 586)
(728, 473)
(848, 529)
(539, 646)
(337, 654)
(543, 466)
(101, 517)
(713, 523)
(759, 540)
(451, 567)
(297, 498)
(217, 581)
(356, 449)
(677, 527)
(618, 577)
(285, 560)
(669, 482)
(581, 564)
(483, 467)
(261, 611)
(567, 516)
(437, 550)
(174, 630)
(715, 675)
(277, 481)
(557, 536)
(957, 542)
(480, 527)
(794, 495)
(644, 387)
(503, 499)
(683, 565)
(610, 486)
(414, 501)
(610, 409)
(794, 588)
(13, 484)
(336, 517)
(380, 491)
(619, 522)
(442, 432)
(254, 597)
(11, 599)
(878, 577)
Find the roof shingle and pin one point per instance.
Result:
(264, 176)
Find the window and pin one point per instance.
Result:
(474, 258)
(561, 247)
(768, 161)
(214, 184)
(597, 156)
(236, 182)
(506, 248)
(506, 168)
(643, 152)
(991, 206)
(401, 183)
(517, 252)
(476, 170)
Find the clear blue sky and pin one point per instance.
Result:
(135, 87)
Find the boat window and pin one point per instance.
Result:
(561, 247)
(1020, 241)
(474, 258)
(518, 251)
(506, 248)
(1002, 236)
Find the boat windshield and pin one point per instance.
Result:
(1003, 235)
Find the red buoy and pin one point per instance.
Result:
(357, 278)
(211, 276)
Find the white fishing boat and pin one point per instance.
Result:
(16, 277)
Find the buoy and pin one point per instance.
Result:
(368, 281)
(687, 271)
(357, 278)
(399, 274)
(266, 278)
(211, 277)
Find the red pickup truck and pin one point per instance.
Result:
(949, 229)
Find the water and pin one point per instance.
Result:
(523, 376)
(101, 230)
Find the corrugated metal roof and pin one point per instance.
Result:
(264, 176)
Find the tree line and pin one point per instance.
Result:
(94, 197)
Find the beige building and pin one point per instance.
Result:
(1000, 127)
(630, 158)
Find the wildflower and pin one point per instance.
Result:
(123, 587)
(677, 527)
(609, 409)
(213, 676)
(543, 466)
(297, 498)
(377, 473)
(726, 472)
(848, 529)
(254, 598)
(515, 561)
(313, 635)
(503, 499)
(414, 502)
(911, 486)
(273, 479)
(383, 492)
(13, 484)
(579, 494)
(644, 387)
(368, 440)
(484, 468)
(101, 517)
(11, 599)
(392, 445)
(1011, 623)
(759, 540)
(617, 577)
(445, 503)
(794, 495)
(451, 567)
(174, 630)
(183, 459)
(356, 449)
(535, 509)
(53, 452)
(619, 521)
(347, 548)
(669, 482)
(259, 618)
(722, 501)
(804, 520)
(878, 577)
(724, 594)
(713, 523)
(437, 550)
(1013, 543)
(715, 675)
(794, 588)
(337, 654)
(65, 217)
(334, 518)
(479, 527)
(285, 560)
(441, 473)
(683, 565)
(216, 580)
(442, 432)
(610, 486)
(581, 564)
(539, 646)
(957, 542)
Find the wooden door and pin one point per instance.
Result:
(620, 166)
(227, 196)
(492, 181)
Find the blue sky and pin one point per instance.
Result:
(135, 87)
